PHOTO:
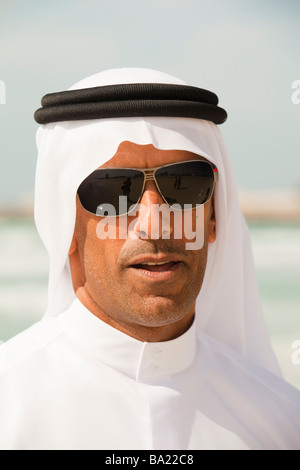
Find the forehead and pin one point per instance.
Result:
(131, 155)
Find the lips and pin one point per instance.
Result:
(153, 268)
(155, 261)
(158, 267)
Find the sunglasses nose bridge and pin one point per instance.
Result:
(149, 175)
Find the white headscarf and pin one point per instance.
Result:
(228, 306)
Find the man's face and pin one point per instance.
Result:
(119, 279)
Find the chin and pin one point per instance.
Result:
(160, 311)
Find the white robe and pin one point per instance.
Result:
(73, 382)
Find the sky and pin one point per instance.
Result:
(246, 51)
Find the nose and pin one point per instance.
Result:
(153, 220)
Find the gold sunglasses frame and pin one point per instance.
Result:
(149, 175)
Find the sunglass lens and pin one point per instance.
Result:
(104, 187)
(187, 183)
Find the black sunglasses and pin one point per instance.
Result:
(184, 183)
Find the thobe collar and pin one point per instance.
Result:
(134, 358)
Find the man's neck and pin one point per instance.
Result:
(137, 331)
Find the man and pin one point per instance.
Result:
(153, 337)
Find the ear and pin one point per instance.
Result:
(212, 235)
(74, 245)
(77, 272)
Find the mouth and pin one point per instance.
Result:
(156, 267)
(157, 270)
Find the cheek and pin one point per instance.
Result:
(199, 246)
(100, 259)
(196, 228)
(98, 256)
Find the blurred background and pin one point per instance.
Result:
(248, 52)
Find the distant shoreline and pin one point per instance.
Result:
(277, 206)
(256, 205)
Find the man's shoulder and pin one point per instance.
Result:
(28, 343)
(235, 368)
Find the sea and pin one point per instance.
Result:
(276, 247)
